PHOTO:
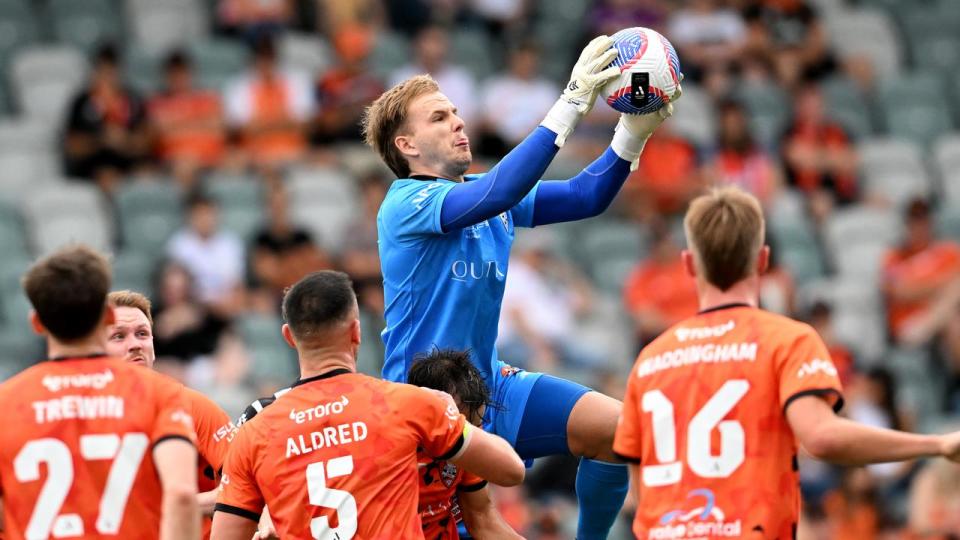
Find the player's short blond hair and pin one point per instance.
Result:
(725, 232)
(131, 299)
(387, 115)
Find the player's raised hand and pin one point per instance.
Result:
(950, 446)
(633, 130)
(589, 75)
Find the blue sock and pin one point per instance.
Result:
(601, 489)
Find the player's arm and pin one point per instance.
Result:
(176, 463)
(590, 193)
(509, 181)
(481, 516)
(832, 438)
(489, 457)
(232, 527)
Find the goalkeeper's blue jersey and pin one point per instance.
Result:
(442, 290)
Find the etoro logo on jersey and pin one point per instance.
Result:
(706, 520)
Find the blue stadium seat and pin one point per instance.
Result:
(84, 24)
(217, 61)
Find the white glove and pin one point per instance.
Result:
(633, 130)
(586, 80)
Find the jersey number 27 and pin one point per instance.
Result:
(46, 520)
(699, 457)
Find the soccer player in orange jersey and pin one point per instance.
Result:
(96, 448)
(131, 337)
(447, 492)
(717, 406)
(336, 456)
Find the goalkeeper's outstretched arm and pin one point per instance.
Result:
(590, 193)
(504, 186)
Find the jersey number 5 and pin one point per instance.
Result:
(339, 500)
(699, 457)
(46, 520)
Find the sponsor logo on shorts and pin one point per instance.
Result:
(703, 520)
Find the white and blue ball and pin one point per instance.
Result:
(642, 50)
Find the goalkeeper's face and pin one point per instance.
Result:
(130, 336)
(434, 141)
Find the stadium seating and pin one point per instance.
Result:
(390, 51)
(44, 78)
(142, 69)
(271, 358)
(769, 108)
(307, 53)
(18, 27)
(847, 104)
(695, 118)
(946, 156)
(158, 25)
(948, 220)
(894, 170)
(59, 214)
(915, 106)
(12, 231)
(856, 239)
(475, 51)
(323, 201)
(149, 212)
(858, 315)
(869, 33)
(608, 250)
(85, 24)
(217, 61)
(133, 270)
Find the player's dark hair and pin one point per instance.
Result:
(451, 371)
(68, 290)
(317, 301)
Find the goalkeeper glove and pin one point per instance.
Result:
(586, 80)
(633, 130)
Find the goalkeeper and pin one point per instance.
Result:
(445, 241)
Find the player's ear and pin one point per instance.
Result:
(288, 336)
(689, 265)
(406, 145)
(355, 332)
(36, 325)
(763, 260)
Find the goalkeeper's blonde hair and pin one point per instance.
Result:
(386, 116)
(725, 232)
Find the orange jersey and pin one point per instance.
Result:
(79, 461)
(704, 418)
(337, 455)
(439, 483)
(214, 431)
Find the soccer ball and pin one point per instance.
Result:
(649, 72)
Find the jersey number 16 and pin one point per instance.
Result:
(699, 457)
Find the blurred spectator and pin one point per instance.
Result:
(920, 281)
(739, 159)
(430, 56)
(410, 16)
(336, 15)
(608, 17)
(707, 36)
(659, 293)
(269, 107)
(542, 299)
(213, 257)
(872, 400)
(514, 102)
(852, 511)
(818, 155)
(345, 90)
(105, 132)
(821, 319)
(935, 502)
(361, 255)
(183, 328)
(186, 122)
(282, 253)
(668, 176)
(793, 36)
(255, 19)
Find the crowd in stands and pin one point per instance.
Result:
(226, 154)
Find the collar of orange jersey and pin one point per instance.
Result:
(91, 356)
(722, 307)
(327, 375)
